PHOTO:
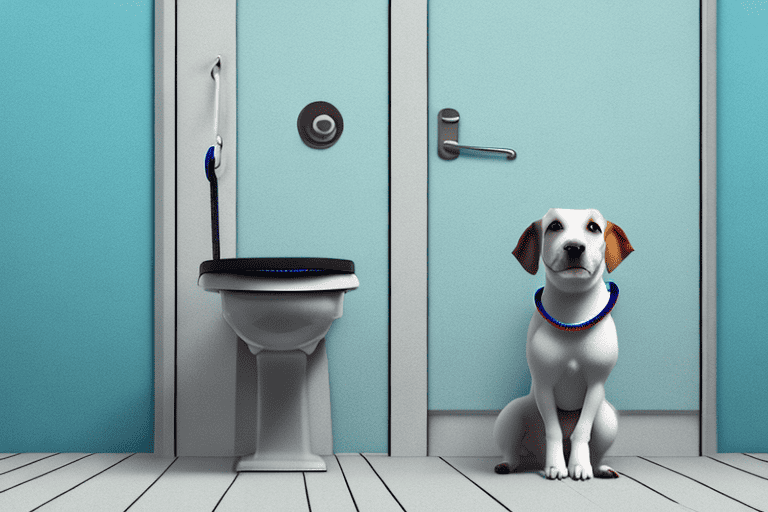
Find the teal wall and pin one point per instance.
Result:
(742, 190)
(76, 314)
(76, 300)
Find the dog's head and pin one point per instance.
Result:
(573, 244)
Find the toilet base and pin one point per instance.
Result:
(306, 462)
(282, 415)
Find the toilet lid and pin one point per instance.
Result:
(278, 267)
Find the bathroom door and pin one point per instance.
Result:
(293, 200)
(601, 102)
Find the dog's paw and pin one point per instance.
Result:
(555, 472)
(579, 472)
(606, 472)
(503, 468)
(554, 461)
(579, 465)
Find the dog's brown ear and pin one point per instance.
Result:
(617, 246)
(529, 248)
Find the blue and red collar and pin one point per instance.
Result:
(584, 325)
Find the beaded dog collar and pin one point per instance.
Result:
(584, 325)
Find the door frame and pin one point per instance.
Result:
(165, 227)
(183, 125)
(413, 429)
(410, 423)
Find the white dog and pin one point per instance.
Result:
(571, 349)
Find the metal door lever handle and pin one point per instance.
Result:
(456, 148)
(448, 139)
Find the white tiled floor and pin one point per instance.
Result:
(106, 482)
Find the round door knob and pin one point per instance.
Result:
(320, 125)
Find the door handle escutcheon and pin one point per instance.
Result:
(448, 147)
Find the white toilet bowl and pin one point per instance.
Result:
(281, 308)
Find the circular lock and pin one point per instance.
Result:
(323, 128)
(320, 125)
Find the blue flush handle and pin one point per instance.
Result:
(210, 172)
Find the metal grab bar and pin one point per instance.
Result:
(215, 74)
(452, 146)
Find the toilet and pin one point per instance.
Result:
(281, 308)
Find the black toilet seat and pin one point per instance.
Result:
(278, 267)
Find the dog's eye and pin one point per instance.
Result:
(555, 226)
(594, 228)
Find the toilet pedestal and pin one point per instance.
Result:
(282, 415)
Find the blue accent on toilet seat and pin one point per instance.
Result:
(278, 267)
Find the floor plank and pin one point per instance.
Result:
(113, 490)
(69, 482)
(35, 468)
(521, 491)
(190, 484)
(745, 463)
(679, 488)
(761, 456)
(622, 494)
(429, 483)
(6, 455)
(368, 491)
(48, 486)
(748, 489)
(22, 459)
(328, 491)
(278, 492)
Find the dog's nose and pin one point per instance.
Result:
(574, 251)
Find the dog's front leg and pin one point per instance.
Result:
(579, 464)
(554, 465)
